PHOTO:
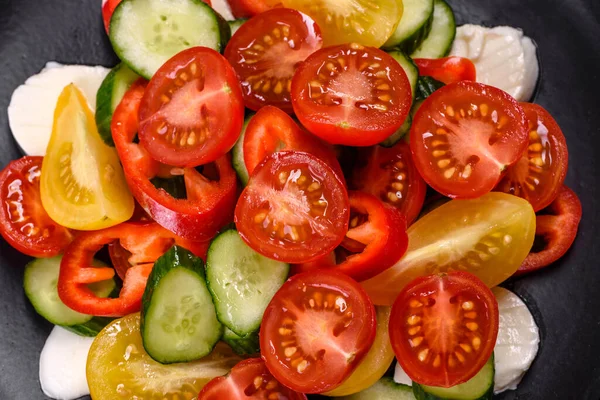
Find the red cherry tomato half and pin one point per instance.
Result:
(108, 8)
(265, 52)
(316, 330)
(391, 175)
(249, 379)
(192, 111)
(539, 174)
(447, 70)
(294, 209)
(24, 223)
(558, 230)
(464, 137)
(351, 95)
(249, 8)
(443, 328)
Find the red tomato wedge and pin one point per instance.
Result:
(294, 209)
(558, 229)
(377, 233)
(108, 8)
(249, 8)
(272, 130)
(265, 52)
(211, 195)
(24, 223)
(443, 328)
(539, 174)
(447, 70)
(464, 137)
(316, 330)
(391, 175)
(249, 379)
(351, 95)
(192, 111)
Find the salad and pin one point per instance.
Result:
(310, 199)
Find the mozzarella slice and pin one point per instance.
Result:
(31, 109)
(400, 376)
(222, 7)
(62, 365)
(503, 58)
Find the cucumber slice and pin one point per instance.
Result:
(480, 387)
(443, 31)
(179, 322)
(235, 25)
(40, 281)
(109, 95)
(414, 26)
(426, 85)
(146, 33)
(238, 154)
(242, 282)
(383, 389)
(243, 346)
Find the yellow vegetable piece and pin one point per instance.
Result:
(82, 184)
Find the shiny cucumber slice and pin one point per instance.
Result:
(383, 389)
(238, 154)
(414, 26)
(443, 30)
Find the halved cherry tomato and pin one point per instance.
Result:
(294, 209)
(377, 232)
(464, 137)
(272, 130)
(192, 111)
(489, 237)
(558, 230)
(316, 330)
(391, 175)
(250, 379)
(443, 328)
(249, 8)
(447, 70)
(209, 203)
(24, 223)
(108, 8)
(539, 174)
(265, 52)
(351, 95)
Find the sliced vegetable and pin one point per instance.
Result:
(248, 8)
(246, 345)
(238, 154)
(414, 26)
(108, 8)
(443, 30)
(236, 24)
(426, 85)
(447, 70)
(383, 389)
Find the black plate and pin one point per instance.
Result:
(565, 298)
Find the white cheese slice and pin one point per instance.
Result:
(222, 7)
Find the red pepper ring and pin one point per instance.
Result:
(377, 232)
(209, 204)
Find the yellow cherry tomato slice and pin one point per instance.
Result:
(488, 237)
(376, 362)
(118, 367)
(82, 184)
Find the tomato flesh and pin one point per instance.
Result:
(444, 327)
(539, 174)
(265, 52)
(316, 330)
(351, 95)
(447, 70)
(294, 209)
(465, 135)
(192, 111)
(248, 8)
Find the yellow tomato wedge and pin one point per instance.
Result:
(82, 184)
(376, 362)
(489, 237)
(118, 367)
(368, 22)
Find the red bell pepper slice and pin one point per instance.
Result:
(447, 70)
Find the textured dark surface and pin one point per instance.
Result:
(565, 298)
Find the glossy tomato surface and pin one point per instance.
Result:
(447, 70)
(249, 8)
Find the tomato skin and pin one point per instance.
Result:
(447, 70)
(192, 110)
(433, 308)
(380, 104)
(464, 157)
(24, 223)
(107, 11)
(559, 229)
(248, 8)
(304, 311)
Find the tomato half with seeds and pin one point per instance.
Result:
(24, 223)
(443, 328)
(192, 111)
(351, 95)
(265, 52)
(249, 379)
(465, 135)
(294, 209)
(539, 174)
(316, 330)
(447, 70)
(391, 175)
